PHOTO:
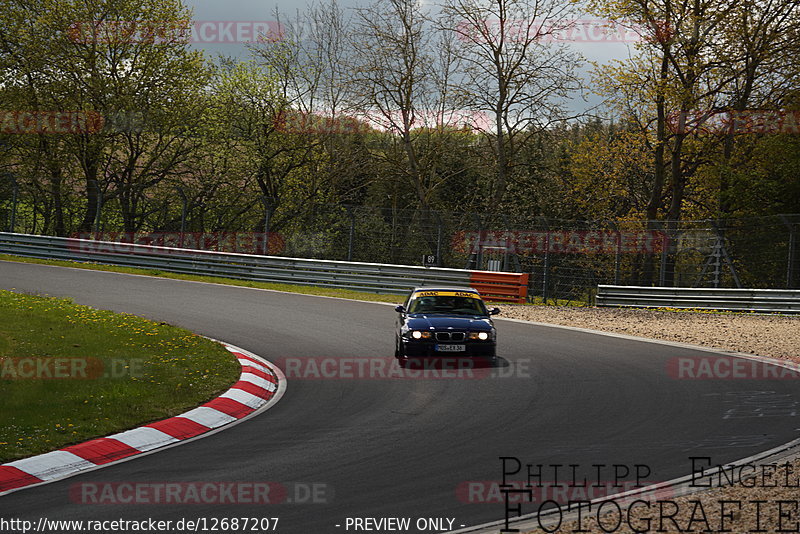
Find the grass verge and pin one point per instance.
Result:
(289, 288)
(69, 373)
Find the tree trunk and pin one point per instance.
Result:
(58, 202)
(92, 203)
(659, 172)
(677, 187)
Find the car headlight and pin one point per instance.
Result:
(420, 334)
(482, 336)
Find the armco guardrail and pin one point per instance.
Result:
(375, 277)
(759, 300)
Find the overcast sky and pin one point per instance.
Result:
(223, 26)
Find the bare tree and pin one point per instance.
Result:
(402, 78)
(514, 69)
(391, 77)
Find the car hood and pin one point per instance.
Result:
(443, 322)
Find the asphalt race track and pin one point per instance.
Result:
(391, 447)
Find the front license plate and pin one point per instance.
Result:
(451, 348)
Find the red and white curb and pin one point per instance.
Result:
(260, 386)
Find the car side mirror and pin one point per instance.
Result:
(494, 311)
(400, 309)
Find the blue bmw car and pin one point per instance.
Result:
(445, 322)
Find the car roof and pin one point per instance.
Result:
(445, 288)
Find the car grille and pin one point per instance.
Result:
(450, 336)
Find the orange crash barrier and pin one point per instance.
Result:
(502, 287)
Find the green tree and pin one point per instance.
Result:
(126, 60)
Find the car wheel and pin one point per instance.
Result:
(398, 352)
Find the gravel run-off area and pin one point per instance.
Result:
(763, 335)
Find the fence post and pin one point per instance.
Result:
(479, 257)
(438, 239)
(475, 254)
(507, 227)
(790, 262)
(617, 253)
(665, 244)
(99, 211)
(184, 209)
(267, 214)
(352, 232)
(546, 266)
(14, 193)
(792, 249)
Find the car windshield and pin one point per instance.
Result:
(447, 304)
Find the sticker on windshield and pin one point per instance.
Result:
(467, 294)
